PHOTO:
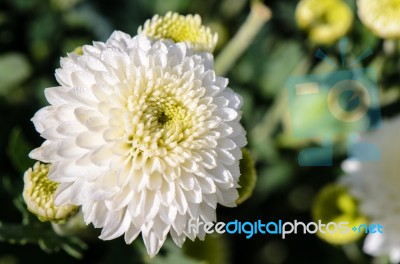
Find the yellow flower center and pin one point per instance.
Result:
(158, 121)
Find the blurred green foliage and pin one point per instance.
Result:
(34, 34)
(248, 176)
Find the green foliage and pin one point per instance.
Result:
(213, 250)
(248, 177)
(174, 255)
(42, 235)
(163, 6)
(279, 65)
(14, 70)
(31, 230)
(18, 150)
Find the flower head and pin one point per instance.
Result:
(39, 195)
(381, 16)
(375, 184)
(325, 21)
(144, 136)
(180, 28)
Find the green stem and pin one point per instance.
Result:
(271, 119)
(259, 15)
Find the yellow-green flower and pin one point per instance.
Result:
(325, 21)
(381, 16)
(180, 28)
(335, 204)
(39, 195)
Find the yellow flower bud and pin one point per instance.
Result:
(78, 50)
(39, 195)
(180, 29)
(324, 21)
(335, 204)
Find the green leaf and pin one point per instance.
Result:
(285, 58)
(118, 252)
(8, 259)
(174, 255)
(87, 18)
(14, 69)
(273, 178)
(23, 5)
(213, 250)
(20, 205)
(43, 235)
(363, 38)
(248, 176)
(163, 6)
(18, 150)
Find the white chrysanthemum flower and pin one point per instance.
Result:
(180, 28)
(381, 16)
(144, 136)
(376, 186)
(39, 195)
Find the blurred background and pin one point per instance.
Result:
(34, 34)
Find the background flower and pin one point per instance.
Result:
(375, 185)
(324, 21)
(381, 16)
(180, 29)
